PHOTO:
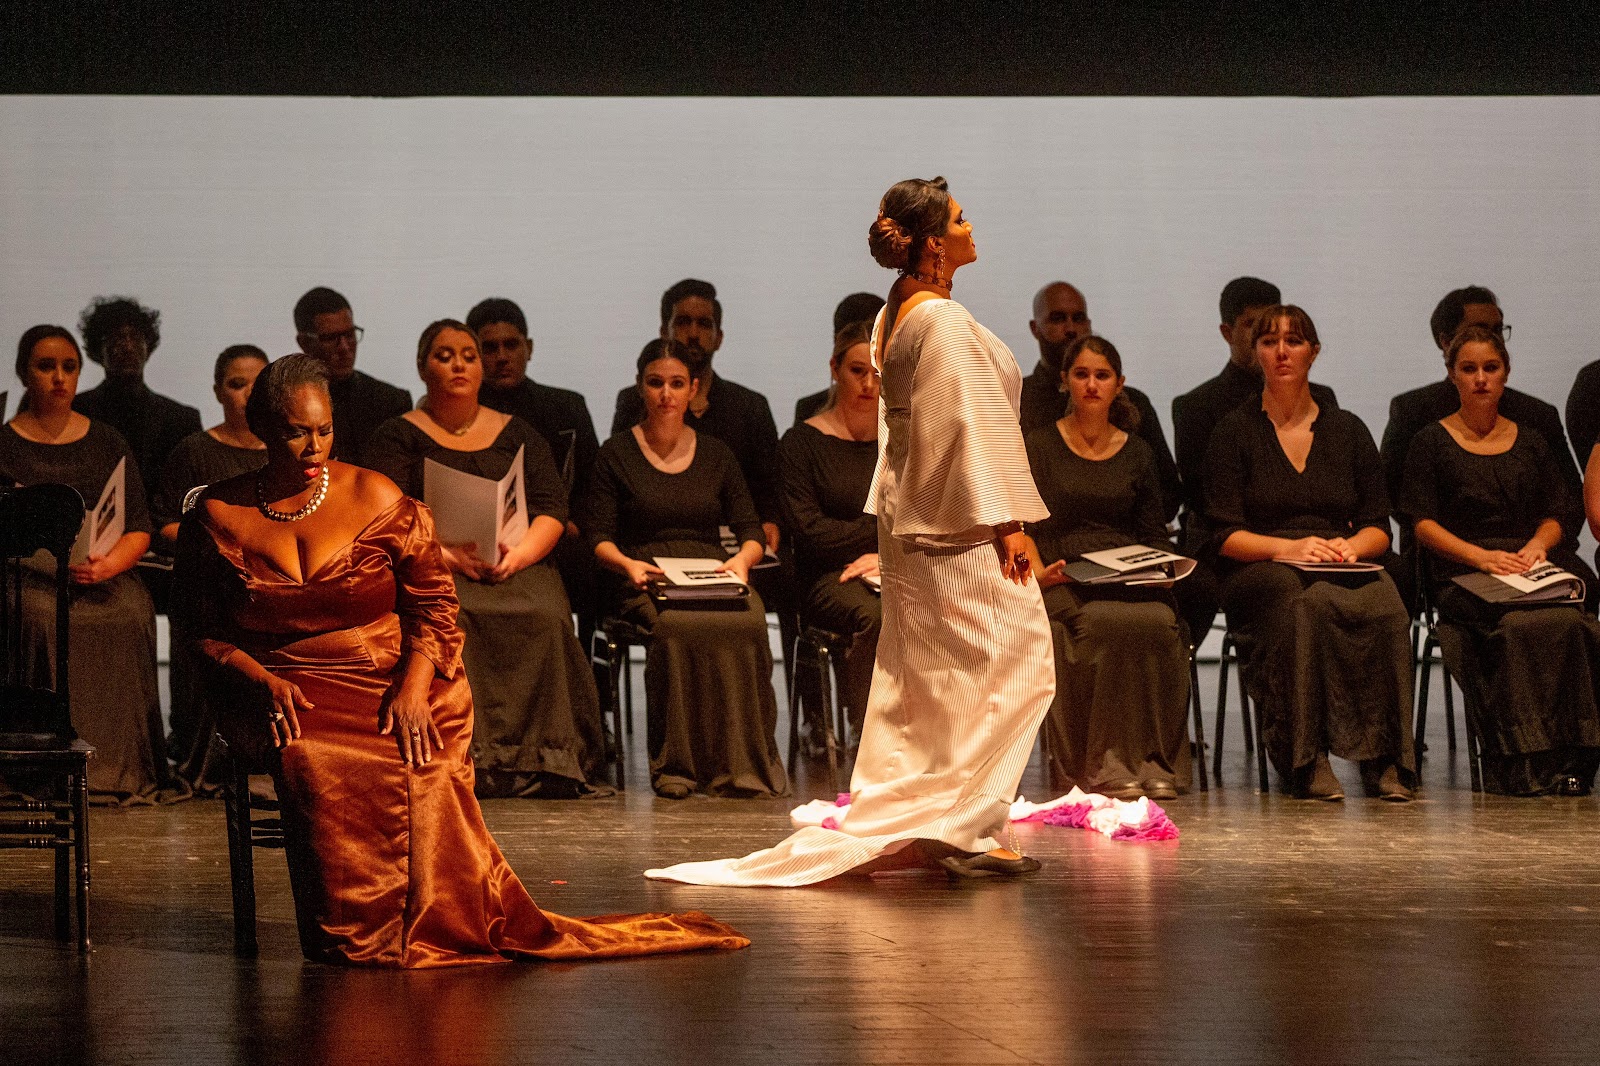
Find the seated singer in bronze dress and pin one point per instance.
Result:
(319, 595)
(538, 729)
(1484, 493)
(662, 489)
(1326, 654)
(1122, 662)
(825, 467)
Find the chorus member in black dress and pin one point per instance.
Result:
(204, 458)
(691, 317)
(860, 307)
(537, 729)
(1484, 493)
(1122, 662)
(1195, 415)
(1411, 412)
(218, 453)
(1327, 655)
(325, 328)
(826, 465)
(1060, 319)
(121, 334)
(116, 705)
(663, 489)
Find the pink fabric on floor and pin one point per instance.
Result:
(1117, 819)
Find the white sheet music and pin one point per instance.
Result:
(104, 523)
(469, 509)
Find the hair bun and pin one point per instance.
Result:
(890, 243)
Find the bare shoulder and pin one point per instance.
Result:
(368, 490)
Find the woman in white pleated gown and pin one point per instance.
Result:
(964, 672)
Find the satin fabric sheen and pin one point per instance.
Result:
(390, 865)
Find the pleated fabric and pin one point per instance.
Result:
(964, 672)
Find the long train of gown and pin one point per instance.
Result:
(964, 673)
(390, 865)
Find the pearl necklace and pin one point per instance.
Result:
(285, 516)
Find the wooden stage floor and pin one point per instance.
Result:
(1457, 929)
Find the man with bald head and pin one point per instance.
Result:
(1060, 317)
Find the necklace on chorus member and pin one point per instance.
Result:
(286, 516)
(462, 432)
(947, 284)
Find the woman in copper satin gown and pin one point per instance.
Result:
(342, 671)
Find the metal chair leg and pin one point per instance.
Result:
(1222, 707)
(1250, 731)
(1199, 721)
(1253, 710)
(1424, 679)
(1449, 711)
(825, 685)
(241, 860)
(794, 725)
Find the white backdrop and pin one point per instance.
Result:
(221, 211)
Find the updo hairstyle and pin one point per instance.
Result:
(270, 396)
(666, 348)
(1123, 414)
(910, 212)
(1476, 335)
(431, 334)
(31, 339)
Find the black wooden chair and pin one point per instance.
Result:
(609, 653)
(1249, 718)
(1426, 659)
(246, 832)
(814, 650)
(37, 741)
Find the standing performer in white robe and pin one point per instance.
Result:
(964, 671)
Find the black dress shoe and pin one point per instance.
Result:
(1570, 785)
(1119, 790)
(1159, 789)
(968, 867)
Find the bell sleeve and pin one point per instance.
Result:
(425, 594)
(546, 492)
(957, 453)
(1373, 508)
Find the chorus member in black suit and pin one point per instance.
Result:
(826, 465)
(121, 334)
(560, 415)
(1485, 494)
(1412, 411)
(860, 307)
(326, 330)
(205, 458)
(1122, 661)
(1583, 413)
(537, 730)
(663, 489)
(1060, 319)
(1327, 655)
(691, 317)
(116, 705)
(562, 418)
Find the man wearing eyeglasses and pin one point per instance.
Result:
(325, 329)
(1411, 411)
